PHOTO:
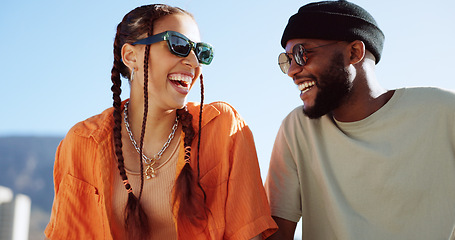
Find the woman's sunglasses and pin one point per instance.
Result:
(181, 46)
(299, 53)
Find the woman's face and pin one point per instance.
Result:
(170, 77)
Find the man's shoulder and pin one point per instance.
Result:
(429, 96)
(296, 113)
(431, 92)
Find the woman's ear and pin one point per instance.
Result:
(129, 56)
(357, 51)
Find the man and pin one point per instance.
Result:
(357, 161)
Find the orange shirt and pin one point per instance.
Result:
(229, 174)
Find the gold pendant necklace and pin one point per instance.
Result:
(150, 171)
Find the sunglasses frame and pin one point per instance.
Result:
(167, 36)
(299, 52)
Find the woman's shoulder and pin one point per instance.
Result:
(219, 107)
(82, 142)
(217, 116)
(97, 126)
(222, 106)
(219, 111)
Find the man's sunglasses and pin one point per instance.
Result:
(181, 46)
(299, 53)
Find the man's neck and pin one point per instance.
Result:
(366, 98)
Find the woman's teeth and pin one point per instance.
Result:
(181, 79)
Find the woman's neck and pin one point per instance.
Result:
(158, 126)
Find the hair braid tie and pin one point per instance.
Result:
(187, 154)
(128, 187)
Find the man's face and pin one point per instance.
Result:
(323, 81)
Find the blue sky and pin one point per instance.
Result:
(57, 56)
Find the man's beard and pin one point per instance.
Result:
(333, 88)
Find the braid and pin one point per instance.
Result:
(116, 90)
(191, 205)
(144, 117)
(133, 210)
(199, 136)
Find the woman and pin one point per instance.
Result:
(154, 166)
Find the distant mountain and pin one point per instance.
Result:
(26, 167)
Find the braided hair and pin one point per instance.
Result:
(192, 206)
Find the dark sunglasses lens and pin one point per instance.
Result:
(180, 46)
(299, 52)
(204, 53)
(284, 62)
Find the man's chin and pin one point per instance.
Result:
(312, 113)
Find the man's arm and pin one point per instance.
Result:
(258, 237)
(286, 229)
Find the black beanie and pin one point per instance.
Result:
(335, 20)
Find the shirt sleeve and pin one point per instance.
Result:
(282, 184)
(57, 179)
(77, 210)
(247, 210)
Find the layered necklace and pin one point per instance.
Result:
(150, 170)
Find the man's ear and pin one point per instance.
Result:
(129, 56)
(357, 51)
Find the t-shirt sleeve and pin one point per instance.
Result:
(282, 184)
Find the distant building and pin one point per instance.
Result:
(14, 215)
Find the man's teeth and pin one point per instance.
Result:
(306, 85)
